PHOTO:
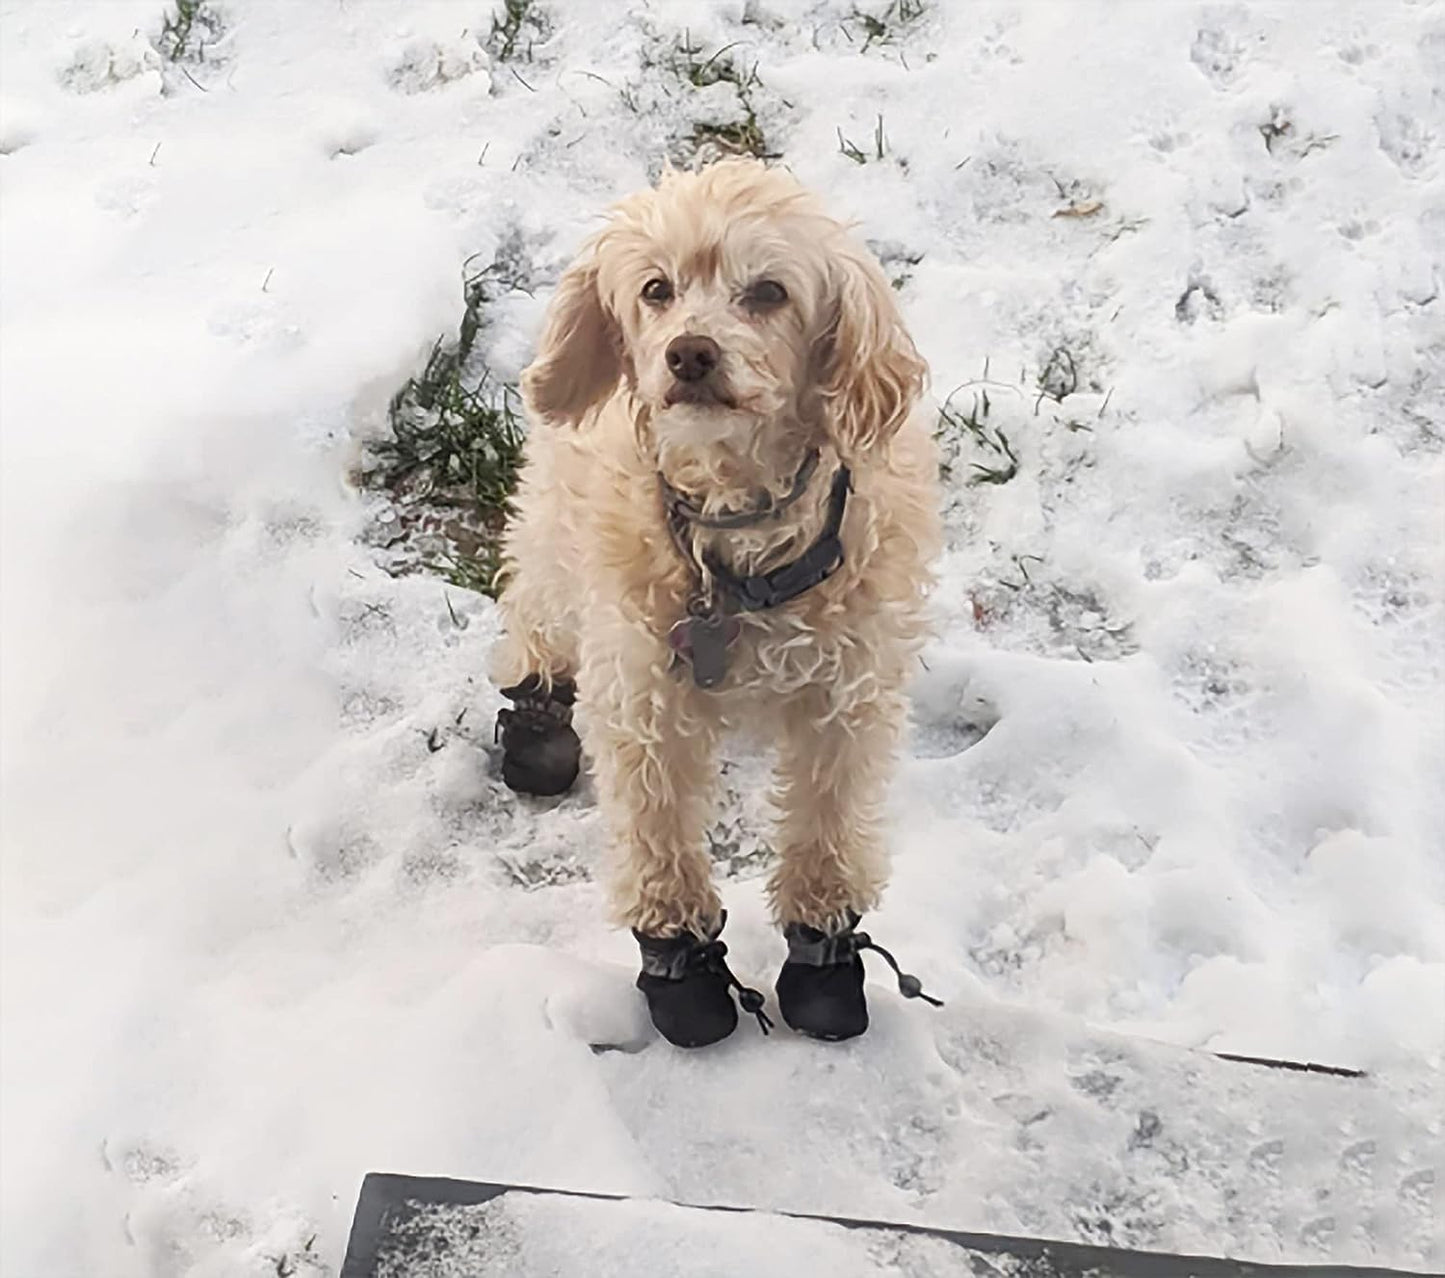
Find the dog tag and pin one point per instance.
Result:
(708, 645)
(703, 639)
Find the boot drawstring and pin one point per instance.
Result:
(908, 986)
(714, 956)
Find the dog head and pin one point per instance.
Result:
(728, 302)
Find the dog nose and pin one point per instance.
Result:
(691, 358)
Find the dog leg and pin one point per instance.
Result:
(835, 764)
(651, 738)
(540, 594)
(535, 660)
(538, 639)
(834, 770)
(533, 664)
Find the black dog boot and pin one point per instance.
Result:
(689, 988)
(820, 989)
(540, 750)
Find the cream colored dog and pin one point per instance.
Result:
(713, 357)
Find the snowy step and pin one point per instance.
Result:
(428, 1227)
(978, 1116)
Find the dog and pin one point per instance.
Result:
(726, 519)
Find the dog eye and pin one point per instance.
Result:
(765, 293)
(657, 291)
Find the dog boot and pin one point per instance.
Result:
(820, 989)
(540, 750)
(689, 988)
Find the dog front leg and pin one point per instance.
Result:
(834, 768)
(651, 737)
(834, 771)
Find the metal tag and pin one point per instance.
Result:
(703, 640)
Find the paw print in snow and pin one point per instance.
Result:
(141, 1162)
(1407, 141)
(420, 65)
(1356, 54)
(1166, 141)
(96, 65)
(1199, 299)
(1217, 55)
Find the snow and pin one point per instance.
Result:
(1176, 771)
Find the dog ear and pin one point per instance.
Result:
(872, 372)
(578, 359)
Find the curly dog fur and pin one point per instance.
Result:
(595, 581)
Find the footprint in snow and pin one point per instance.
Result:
(945, 716)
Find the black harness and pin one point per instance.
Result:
(703, 636)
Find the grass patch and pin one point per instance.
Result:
(888, 25)
(976, 430)
(1051, 616)
(1059, 377)
(452, 442)
(957, 427)
(516, 29)
(187, 29)
(450, 464)
(742, 135)
(718, 68)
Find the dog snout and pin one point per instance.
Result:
(692, 357)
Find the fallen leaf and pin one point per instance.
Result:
(1087, 209)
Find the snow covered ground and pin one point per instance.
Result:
(269, 921)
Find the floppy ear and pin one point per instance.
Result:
(872, 373)
(578, 358)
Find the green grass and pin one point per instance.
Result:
(451, 461)
(886, 26)
(480, 570)
(515, 30)
(187, 29)
(451, 441)
(742, 136)
(956, 427)
(717, 68)
(1059, 377)
(857, 154)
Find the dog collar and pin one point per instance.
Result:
(754, 592)
(704, 635)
